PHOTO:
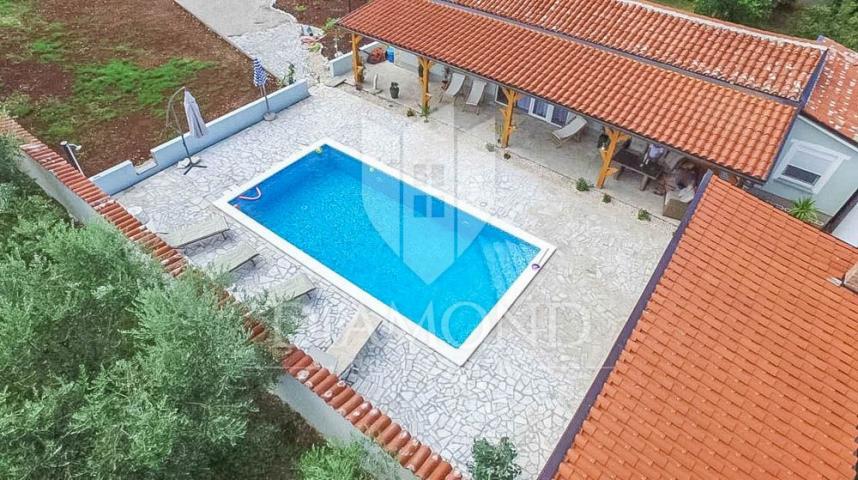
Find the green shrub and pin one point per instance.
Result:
(743, 11)
(836, 19)
(582, 185)
(494, 462)
(333, 461)
(644, 215)
(804, 209)
(606, 198)
(17, 105)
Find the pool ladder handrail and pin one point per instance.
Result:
(257, 197)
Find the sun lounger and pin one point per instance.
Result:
(475, 96)
(573, 129)
(346, 348)
(294, 287)
(455, 86)
(209, 227)
(235, 258)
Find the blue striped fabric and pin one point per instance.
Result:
(260, 76)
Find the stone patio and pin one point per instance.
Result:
(529, 375)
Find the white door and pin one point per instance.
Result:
(541, 109)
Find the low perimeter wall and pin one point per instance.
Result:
(342, 65)
(125, 175)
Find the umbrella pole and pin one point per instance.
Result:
(171, 112)
(269, 115)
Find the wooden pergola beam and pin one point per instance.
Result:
(614, 139)
(357, 62)
(512, 97)
(425, 64)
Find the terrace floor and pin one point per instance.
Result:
(529, 375)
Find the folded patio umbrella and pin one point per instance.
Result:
(196, 124)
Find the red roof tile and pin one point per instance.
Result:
(762, 61)
(742, 363)
(834, 101)
(737, 130)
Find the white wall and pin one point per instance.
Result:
(839, 188)
(848, 228)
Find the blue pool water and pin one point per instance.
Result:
(436, 265)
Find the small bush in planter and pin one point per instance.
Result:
(494, 462)
(410, 113)
(606, 198)
(644, 215)
(804, 209)
(582, 185)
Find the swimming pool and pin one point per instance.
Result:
(442, 271)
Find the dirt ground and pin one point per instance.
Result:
(146, 32)
(317, 13)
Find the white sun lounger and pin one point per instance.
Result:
(235, 258)
(294, 287)
(573, 129)
(455, 86)
(475, 96)
(209, 227)
(346, 348)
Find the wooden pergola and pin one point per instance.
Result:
(614, 135)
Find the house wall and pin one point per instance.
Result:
(839, 187)
(847, 230)
(408, 60)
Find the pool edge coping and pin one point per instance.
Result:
(458, 355)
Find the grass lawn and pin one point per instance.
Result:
(98, 73)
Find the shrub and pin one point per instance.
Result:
(644, 215)
(836, 19)
(804, 209)
(743, 11)
(333, 461)
(494, 462)
(582, 185)
(606, 198)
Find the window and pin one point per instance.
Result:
(559, 116)
(808, 166)
(500, 97)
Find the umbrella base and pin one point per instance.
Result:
(269, 116)
(193, 162)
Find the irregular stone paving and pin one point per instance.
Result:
(529, 375)
(256, 28)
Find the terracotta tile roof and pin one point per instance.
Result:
(762, 61)
(413, 455)
(834, 101)
(729, 127)
(742, 363)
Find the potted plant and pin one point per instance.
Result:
(394, 90)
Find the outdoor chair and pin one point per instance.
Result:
(475, 96)
(235, 258)
(340, 356)
(293, 288)
(209, 227)
(455, 86)
(574, 129)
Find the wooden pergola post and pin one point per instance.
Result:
(425, 64)
(614, 139)
(357, 62)
(511, 98)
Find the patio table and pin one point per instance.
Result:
(634, 162)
